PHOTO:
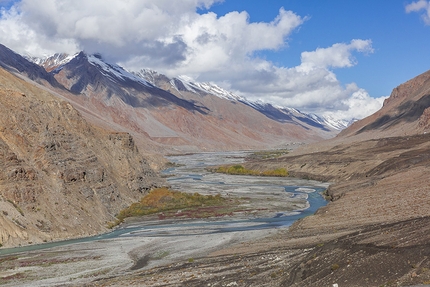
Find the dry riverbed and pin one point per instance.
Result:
(174, 242)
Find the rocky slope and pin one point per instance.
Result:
(405, 112)
(60, 177)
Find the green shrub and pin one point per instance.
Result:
(164, 199)
(334, 267)
(241, 170)
(270, 154)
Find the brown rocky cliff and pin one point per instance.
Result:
(405, 112)
(59, 176)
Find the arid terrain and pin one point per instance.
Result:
(375, 230)
(60, 176)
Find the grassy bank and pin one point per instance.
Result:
(241, 170)
(267, 154)
(169, 203)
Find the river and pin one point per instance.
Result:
(269, 203)
(282, 201)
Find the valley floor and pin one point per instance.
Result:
(362, 257)
(375, 232)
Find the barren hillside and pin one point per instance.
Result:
(60, 177)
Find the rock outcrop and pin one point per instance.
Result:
(60, 177)
(405, 112)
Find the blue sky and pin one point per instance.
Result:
(337, 58)
(400, 40)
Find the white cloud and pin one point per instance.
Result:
(337, 56)
(215, 43)
(312, 86)
(172, 38)
(358, 106)
(417, 7)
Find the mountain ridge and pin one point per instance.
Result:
(164, 112)
(405, 112)
(182, 83)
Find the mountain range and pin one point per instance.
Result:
(178, 114)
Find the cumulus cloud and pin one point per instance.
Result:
(172, 38)
(312, 86)
(215, 43)
(420, 6)
(357, 106)
(337, 56)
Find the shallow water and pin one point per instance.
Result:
(192, 176)
(296, 198)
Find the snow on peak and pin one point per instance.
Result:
(185, 83)
(52, 62)
(113, 71)
(207, 87)
(148, 75)
(337, 124)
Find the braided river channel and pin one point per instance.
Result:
(266, 204)
(281, 201)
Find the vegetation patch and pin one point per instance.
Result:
(45, 262)
(172, 164)
(96, 273)
(170, 203)
(334, 267)
(241, 170)
(8, 258)
(326, 195)
(268, 154)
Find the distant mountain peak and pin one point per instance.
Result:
(52, 62)
(185, 83)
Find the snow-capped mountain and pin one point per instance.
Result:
(114, 71)
(184, 83)
(275, 112)
(332, 122)
(174, 113)
(51, 62)
(278, 113)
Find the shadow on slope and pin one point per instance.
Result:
(410, 111)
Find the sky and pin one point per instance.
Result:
(338, 58)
